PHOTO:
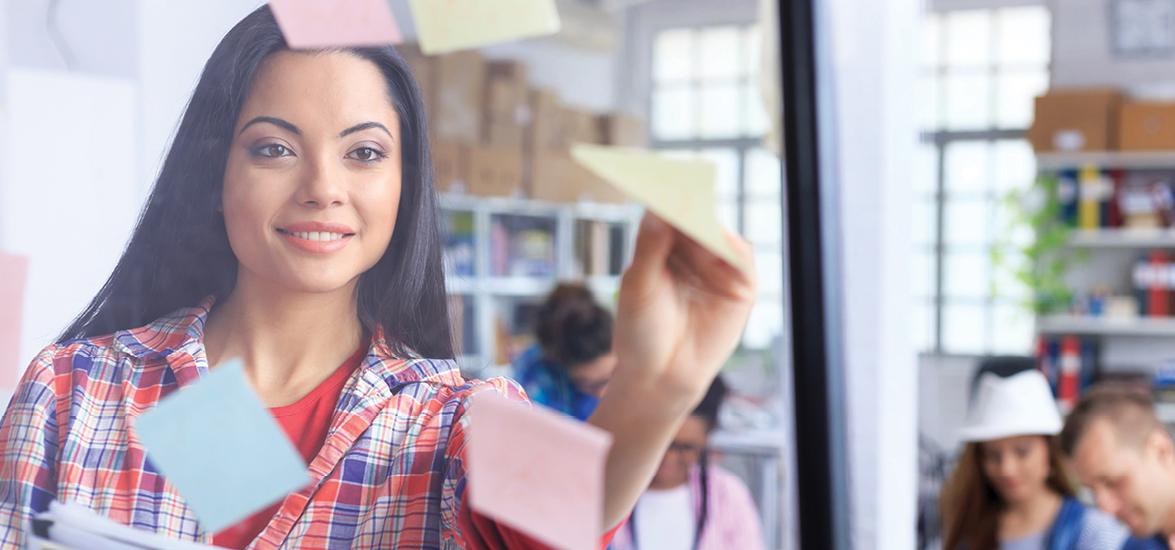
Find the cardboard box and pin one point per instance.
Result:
(425, 74)
(581, 127)
(1083, 119)
(546, 122)
(1146, 126)
(506, 135)
(450, 160)
(460, 81)
(623, 130)
(507, 90)
(555, 176)
(495, 172)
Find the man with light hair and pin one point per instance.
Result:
(1120, 450)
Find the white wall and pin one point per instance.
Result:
(874, 67)
(1083, 56)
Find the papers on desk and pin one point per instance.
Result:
(75, 527)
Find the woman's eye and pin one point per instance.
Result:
(366, 154)
(272, 150)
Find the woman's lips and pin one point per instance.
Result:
(316, 242)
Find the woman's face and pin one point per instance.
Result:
(1018, 467)
(687, 447)
(313, 177)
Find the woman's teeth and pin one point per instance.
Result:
(317, 235)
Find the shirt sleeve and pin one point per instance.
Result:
(28, 449)
(463, 526)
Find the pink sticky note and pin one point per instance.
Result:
(537, 471)
(14, 272)
(314, 24)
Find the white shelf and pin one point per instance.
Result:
(609, 212)
(1123, 238)
(1106, 326)
(1130, 160)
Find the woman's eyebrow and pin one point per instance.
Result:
(364, 126)
(272, 120)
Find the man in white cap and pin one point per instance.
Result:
(1121, 451)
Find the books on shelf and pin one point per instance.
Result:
(599, 248)
(1070, 363)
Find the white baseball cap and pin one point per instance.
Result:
(1021, 404)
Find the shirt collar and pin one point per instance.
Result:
(177, 339)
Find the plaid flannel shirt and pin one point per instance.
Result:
(390, 474)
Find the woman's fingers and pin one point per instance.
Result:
(654, 242)
(698, 267)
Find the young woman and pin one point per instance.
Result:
(571, 364)
(692, 504)
(294, 226)
(1010, 489)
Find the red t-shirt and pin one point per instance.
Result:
(305, 422)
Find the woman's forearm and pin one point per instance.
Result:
(642, 419)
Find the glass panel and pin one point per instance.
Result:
(755, 121)
(1014, 97)
(1024, 36)
(967, 99)
(1015, 165)
(673, 55)
(674, 110)
(929, 106)
(720, 110)
(963, 328)
(967, 222)
(719, 53)
(769, 264)
(1012, 330)
(765, 324)
(931, 47)
(924, 216)
(922, 325)
(966, 274)
(925, 168)
(763, 174)
(726, 164)
(751, 46)
(764, 220)
(968, 165)
(968, 34)
(922, 273)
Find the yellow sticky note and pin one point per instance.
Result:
(680, 191)
(448, 25)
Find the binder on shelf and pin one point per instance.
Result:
(1089, 198)
(1067, 192)
(1069, 385)
(1157, 301)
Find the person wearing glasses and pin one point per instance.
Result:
(693, 504)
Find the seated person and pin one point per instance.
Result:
(692, 504)
(571, 364)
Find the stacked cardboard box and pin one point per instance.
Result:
(1101, 119)
(494, 135)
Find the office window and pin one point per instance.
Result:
(981, 69)
(704, 101)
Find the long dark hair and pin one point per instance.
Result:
(179, 252)
(970, 505)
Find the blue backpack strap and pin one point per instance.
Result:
(1067, 527)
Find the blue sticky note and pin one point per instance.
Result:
(218, 445)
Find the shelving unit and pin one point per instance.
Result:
(1123, 238)
(1106, 326)
(474, 264)
(1126, 160)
